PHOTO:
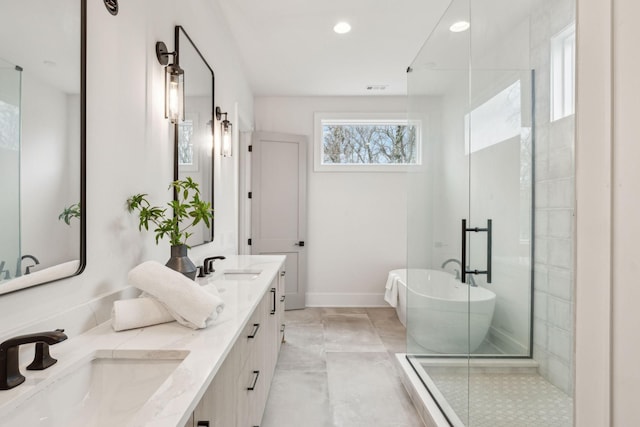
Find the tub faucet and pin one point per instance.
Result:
(455, 261)
(471, 280)
(29, 267)
(10, 375)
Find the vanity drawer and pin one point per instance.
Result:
(253, 388)
(217, 406)
(253, 331)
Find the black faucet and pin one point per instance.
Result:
(29, 267)
(10, 375)
(207, 264)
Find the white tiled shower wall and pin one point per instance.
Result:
(554, 208)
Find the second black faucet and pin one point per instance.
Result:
(207, 264)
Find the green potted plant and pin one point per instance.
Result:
(70, 212)
(187, 210)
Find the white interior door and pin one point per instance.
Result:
(278, 206)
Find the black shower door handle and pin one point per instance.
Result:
(465, 230)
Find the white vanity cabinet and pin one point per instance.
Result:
(238, 393)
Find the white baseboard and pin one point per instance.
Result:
(505, 343)
(345, 300)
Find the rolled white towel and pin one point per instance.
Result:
(189, 304)
(211, 289)
(138, 313)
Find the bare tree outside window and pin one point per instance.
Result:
(9, 126)
(185, 143)
(380, 143)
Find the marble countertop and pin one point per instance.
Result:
(206, 349)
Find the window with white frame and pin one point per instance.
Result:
(563, 64)
(185, 142)
(365, 142)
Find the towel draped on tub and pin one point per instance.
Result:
(391, 289)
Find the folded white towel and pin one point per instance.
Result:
(391, 289)
(187, 302)
(138, 313)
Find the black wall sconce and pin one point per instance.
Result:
(112, 6)
(226, 134)
(173, 84)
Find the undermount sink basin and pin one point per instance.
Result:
(241, 274)
(102, 390)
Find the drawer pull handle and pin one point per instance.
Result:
(273, 310)
(203, 424)
(255, 380)
(256, 326)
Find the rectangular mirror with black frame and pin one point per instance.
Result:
(194, 135)
(42, 141)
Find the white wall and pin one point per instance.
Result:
(423, 189)
(129, 148)
(626, 211)
(357, 221)
(607, 177)
(593, 213)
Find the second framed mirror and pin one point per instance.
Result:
(193, 136)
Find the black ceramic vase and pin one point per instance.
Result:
(181, 263)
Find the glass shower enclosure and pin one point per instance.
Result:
(489, 294)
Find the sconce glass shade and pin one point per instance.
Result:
(174, 93)
(227, 141)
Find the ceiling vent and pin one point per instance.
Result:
(376, 87)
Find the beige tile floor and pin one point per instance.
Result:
(336, 370)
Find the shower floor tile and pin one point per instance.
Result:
(503, 399)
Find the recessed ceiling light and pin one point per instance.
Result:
(459, 27)
(342, 27)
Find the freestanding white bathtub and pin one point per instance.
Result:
(442, 314)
